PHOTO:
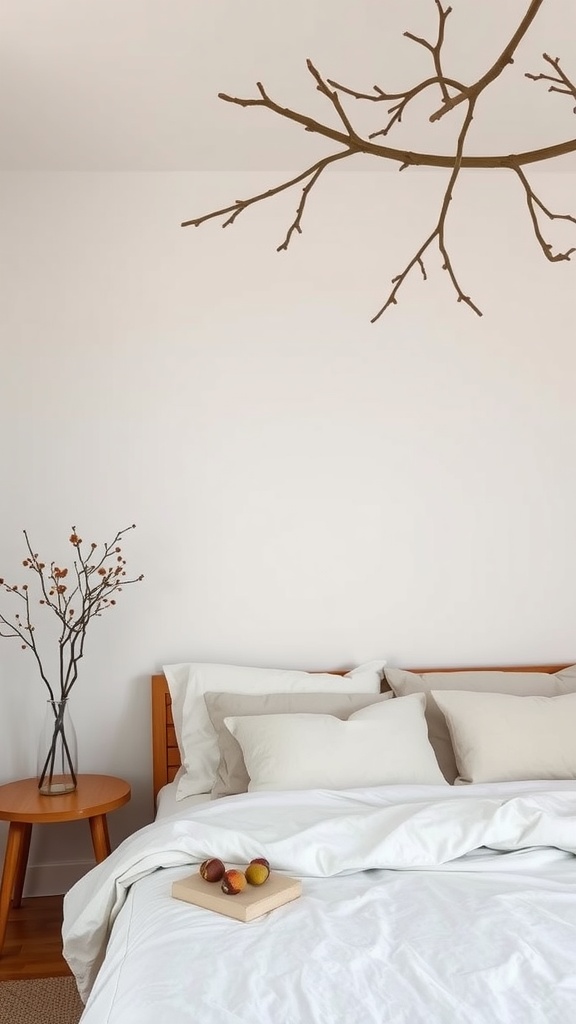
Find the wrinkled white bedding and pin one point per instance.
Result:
(420, 905)
(167, 804)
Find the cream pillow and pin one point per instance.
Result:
(232, 776)
(195, 733)
(502, 738)
(519, 683)
(380, 745)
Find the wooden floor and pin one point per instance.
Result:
(33, 946)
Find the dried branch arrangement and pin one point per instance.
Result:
(453, 94)
(74, 596)
(97, 576)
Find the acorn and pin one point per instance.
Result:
(233, 882)
(212, 870)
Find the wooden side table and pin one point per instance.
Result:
(23, 806)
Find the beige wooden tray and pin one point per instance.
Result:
(254, 901)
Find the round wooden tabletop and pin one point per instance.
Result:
(95, 794)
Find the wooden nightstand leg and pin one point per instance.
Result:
(100, 839)
(22, 865)
(18, 837)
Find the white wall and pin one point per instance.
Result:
(310, 490)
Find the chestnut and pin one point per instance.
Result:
(233, 882)
(212, 870)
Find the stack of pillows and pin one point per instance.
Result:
(245, 729)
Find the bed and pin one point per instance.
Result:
(426, 898)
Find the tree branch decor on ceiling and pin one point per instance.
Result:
(453, 94)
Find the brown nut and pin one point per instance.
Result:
(233, 882)
(257, 872)
(212, 870)
(261, 860)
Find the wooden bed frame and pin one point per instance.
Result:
(166, 755)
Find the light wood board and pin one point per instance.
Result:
(252, 902)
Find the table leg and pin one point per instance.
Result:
(100, 839)
(22, 865)
(16, 847)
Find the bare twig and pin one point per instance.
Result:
(23, 630)
(438, 233)
(435, 48)
(560, 81)
(346, 136)
(322, 87)
(397, 109)
(413, 158)
(403, 98)
(240, 205)
(535, 203)
(296, 223)
(506, 57)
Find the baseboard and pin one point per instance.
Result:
(54, 879)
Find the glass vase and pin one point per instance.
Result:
(57, 751)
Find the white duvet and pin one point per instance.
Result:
(420, 905)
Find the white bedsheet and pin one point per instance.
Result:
(413, 912)
(167, 804)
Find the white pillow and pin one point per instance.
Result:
(380, 745)
(196, 736)
(232, 776)
(498, 737)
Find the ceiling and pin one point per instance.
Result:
(132, 84)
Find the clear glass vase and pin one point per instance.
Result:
(57, 751)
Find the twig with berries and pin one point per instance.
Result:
(75, 596)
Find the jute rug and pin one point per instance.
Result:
(40, 1001)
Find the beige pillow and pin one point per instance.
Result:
(501, 738)
(521, 684)
(381, 745)
(232, 776)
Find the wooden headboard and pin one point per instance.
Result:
(165, 753)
